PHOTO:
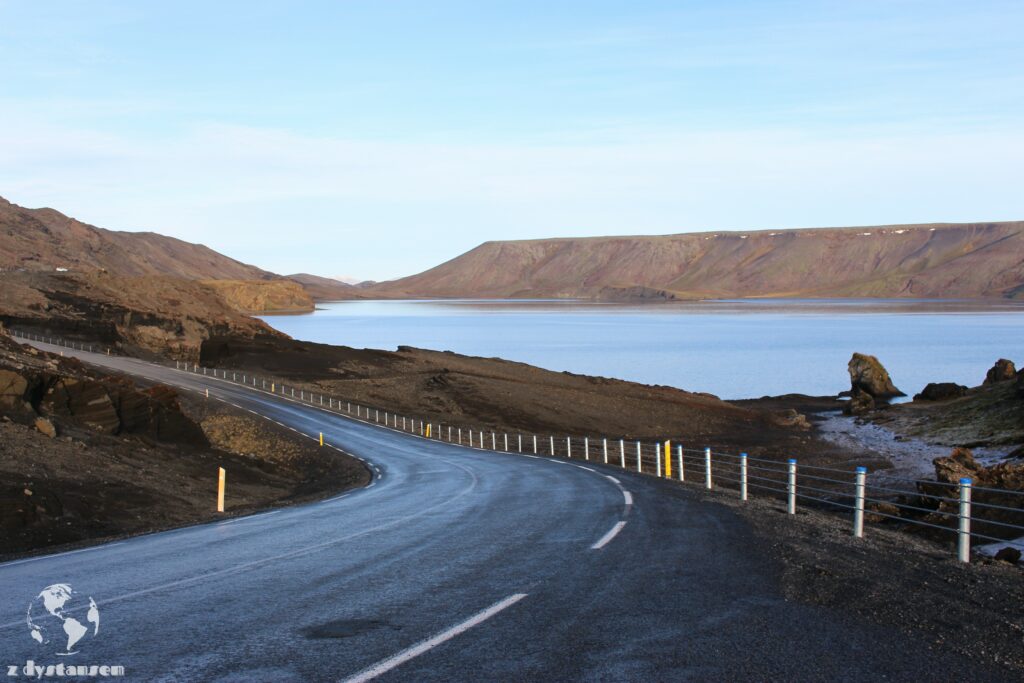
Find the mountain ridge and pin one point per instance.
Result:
(940, 260)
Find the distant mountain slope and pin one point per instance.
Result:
(45, 239)
(971, 260)
(327, 289)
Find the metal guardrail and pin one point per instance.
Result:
(942, 508)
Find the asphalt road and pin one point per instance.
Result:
(454, 565)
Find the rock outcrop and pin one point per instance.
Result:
(959, 464)
(1019, 385)
(45, 393)
(1002, 371)
(263, 296)
(869, 376)
(941, 391)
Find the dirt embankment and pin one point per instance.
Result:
(162, 316)
(84, 455)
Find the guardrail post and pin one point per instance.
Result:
(568, 446)
(494, 442)
(668, 459)
(222, 476)
(743, 476)
(535, 444)
(791, 488)
(460, 436)
(604, 445)
(657, 461)
(858, 502)
(679, 457)
(586, 448)
(707, 468)
(639, 464)
(622, 453)
(520, 443)
(506, 443)
(449, 429)
(964, 540)
(552, 445)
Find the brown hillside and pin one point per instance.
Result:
(45, 239)
(973, 260)
(327, 289)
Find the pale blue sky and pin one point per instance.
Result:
(380, 138)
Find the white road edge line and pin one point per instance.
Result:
(56, 555)
(628, 496)
(429, 644)
(613, 479)
(607, 538)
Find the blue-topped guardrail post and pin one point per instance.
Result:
(791, 488)
(707, 468)
(639, 464)
(964, 541)
(622, 453)
(568, 446)
(743, 476)
(858, 502)
(657, 461)
(679, 454)
(604, 444)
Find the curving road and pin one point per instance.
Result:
(454, 565)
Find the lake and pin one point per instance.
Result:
(734, 349)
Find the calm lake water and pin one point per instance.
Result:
(735, 349)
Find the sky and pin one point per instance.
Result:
(376, 139)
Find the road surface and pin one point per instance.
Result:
(453, 565)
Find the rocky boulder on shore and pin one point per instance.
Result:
(1002, 371)
(869, 384)
(868, 375)
(1005, 476)
(941, 391)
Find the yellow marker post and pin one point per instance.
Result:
(271, 387)
(428, 430)
(668, 459)
(221, 477)
(321, 438)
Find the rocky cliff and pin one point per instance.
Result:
(972, 260)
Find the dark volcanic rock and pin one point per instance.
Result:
(1008, 554)
(84, 400)
(868, 375)
(941, 391)
(1002, 371)
(860, 402)
(1020, 384)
